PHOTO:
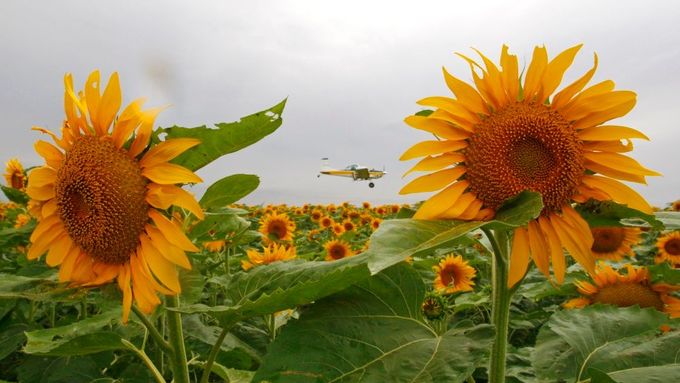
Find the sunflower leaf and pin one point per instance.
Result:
(226, 137)
(610, 213)
(279, 286)
(229, 190)
(664, 273)
(670, 219)
(374, 332)
(14, 195)
(608, 338)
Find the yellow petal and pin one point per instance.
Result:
(539, 249)
(619, 162)
(576, 246)
(124, 284)
(618, 192)
(140, 266)
(186, 200)
(598, 103)
(141, 141)
(430, 163)
(454, 108)
(50, 153)
(519, 256)
(46, 225)
(92, 98)
(466, 95)
(59, 249)
(170, 174)
(109, 105)
(82, 271)
(510, 75)
(532, 83)
(554, 248)
(163, 269)
(608, 133)
(441, 201)
(437, 127)
(600, 117)
(42, 243)
(48, 208)
(426, 148)
(608, 146)
(127, 122)
(167, 150)
(171, 232)
(433, 181)
(565, 95)
(42, 177)
(607, 171)
(493, 95)
(555, 71)
(472, 210)
(103, 273)
(143, 293)
(458, 207)
(68, 263)
(458, 122)
(493, 80)
(42, 193)
(171, 252)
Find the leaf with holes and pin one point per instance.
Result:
(374, 332)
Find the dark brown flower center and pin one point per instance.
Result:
(100, 195)
(607, 239)
(278, 228)
(524, 146)
(672, 246)
(337, 251)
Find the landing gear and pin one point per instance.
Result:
(371, 185)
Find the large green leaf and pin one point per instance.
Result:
(397, 239)
(281, 285)
(36, 289)
(664, 273)
(610, 213)
(229, 190)
(606, 338)
(226, 138)
(79, 338)
(374, 332)
(670, 219)
(15, 195)
(221, 222)
(655, 374)
(11, 339)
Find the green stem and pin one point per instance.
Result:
(178, 359)
(500, 307)
(149, 364)
(157, 337)
(213, 354)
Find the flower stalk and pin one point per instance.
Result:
(178, 359)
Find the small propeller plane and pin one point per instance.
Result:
(356, 172)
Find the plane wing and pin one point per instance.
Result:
(340, 173)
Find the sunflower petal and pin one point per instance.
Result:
(140, 266)
(167, 150)
(430, 163)
(609, 172)
(109, 104)
(565, 95)
(437, 127)
(68, 263)
(539, 249)
(519, 256)
(600, 117)
(451, 110)
(426, 148)
(141, 141)
(43, 242)
(598, 103)
(555, 71)
(555, 249)
(171, 232)
(59, 250)
(532, 83)
(163, 269)
(50, 153)
(124, 285)
(459, 206)
(41, 177)
(441, 201)
(619, 162)
(92, 98)
(573, 243)
(466, 94)
(433, 181)
(608, 133)
(170, 174)
(510, 75)
(171, 252)
(618, 192)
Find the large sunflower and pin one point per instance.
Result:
(614, 243)
(100, 195)
(633, 288)
(501, 137)
(277, 227)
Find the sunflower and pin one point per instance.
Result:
(22, 220)
(325, 222)
(214, 246)
(375, 223)
(338, 229)
(277, 227)
(668, 247)
(272, 253)
(99, 198)
(675, 206)
(614, 243)
(348, 225)
(316, 215)
(499, 138)
(633, 288)
(14, 174)
(337, 249)
(453, 274)
(366, 205)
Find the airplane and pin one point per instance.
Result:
(356, 172)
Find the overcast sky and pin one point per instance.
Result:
(352, 70)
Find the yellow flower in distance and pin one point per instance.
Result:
(669, 247)
(272, 253)
(614, 243)
(337, 249)
(14, 174)
(499, 137)
(453, 274)
(633, 288)
(98, 197)
(214, 246)
(277, 227)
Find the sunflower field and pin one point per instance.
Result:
(530, 260)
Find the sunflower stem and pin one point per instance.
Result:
(500, 306)
(153, 331)
(145, 358)
(178, 359)
(213, 355)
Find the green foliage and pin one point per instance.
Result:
(227, 138)
(610, 213)
(229, 190)
(374, 332)
(610, 339)
(14, 195)
(280, 285)
(670, 219)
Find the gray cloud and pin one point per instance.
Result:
(352, 71)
